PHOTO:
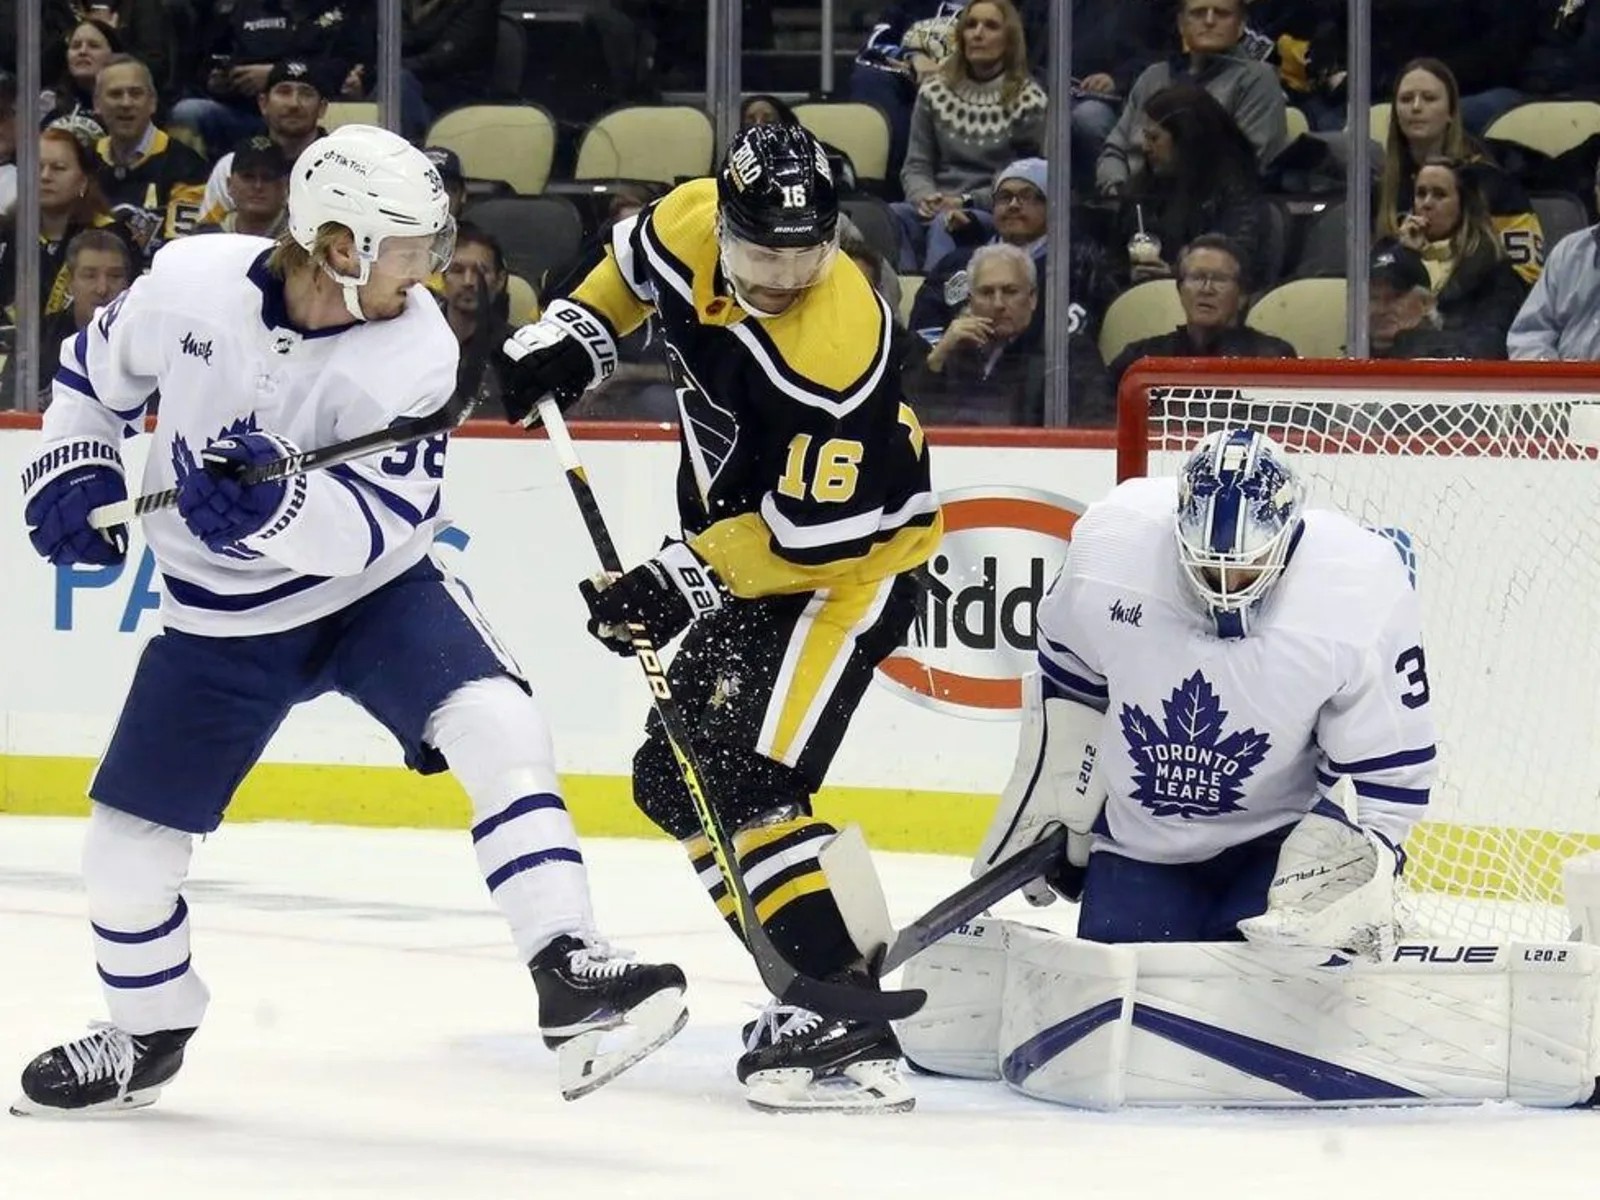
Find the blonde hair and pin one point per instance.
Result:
(289, 255)
(1013, 63)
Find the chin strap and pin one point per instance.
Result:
(350, 289)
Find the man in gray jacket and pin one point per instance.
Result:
(1246, 88)
(1560, 319)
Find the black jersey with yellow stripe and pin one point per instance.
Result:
(802, 467)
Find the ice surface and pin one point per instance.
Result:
(372, 1035)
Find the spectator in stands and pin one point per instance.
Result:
(246, 38)
(8, 143)
(1478, 288)
(979, 113)
(1020, 219)
(1211, 289)
(70, 201)
(1565, 55)
(1112, 44)
(854, 245)
(1246, 89)
(1560, 320)
(448, 163)
(477, 308)
(293, 104)
(989, 368)
(152, 181)
(1402, 311)
(143, 29)
(88, 47)
(258, 190)
(1197, 174)
(903, 51)
(99, 267)
(1427, 123)
(448, 46)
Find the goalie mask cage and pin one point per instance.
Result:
(1486, 477)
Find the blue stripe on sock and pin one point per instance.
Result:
(179, 915)
(512, 811)
(528, 862)
(144, 981)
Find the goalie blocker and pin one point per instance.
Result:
(1246, 1025)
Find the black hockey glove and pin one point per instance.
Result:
(662, 594)
(563, 354)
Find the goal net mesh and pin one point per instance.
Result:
(1494, 501)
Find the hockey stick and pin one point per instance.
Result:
(960, 907)
(411, 429)
(780, 976)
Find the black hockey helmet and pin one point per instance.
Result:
(776, 188)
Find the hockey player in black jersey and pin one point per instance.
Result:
(803, 496)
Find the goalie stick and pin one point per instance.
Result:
(960, 907)
(780, 976)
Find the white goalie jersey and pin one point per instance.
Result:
(1210, 742)
(207, 328)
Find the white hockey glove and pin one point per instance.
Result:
(1054, 782)
(1334, 889)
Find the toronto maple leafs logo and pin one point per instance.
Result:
(1187, 767)
(183, 464)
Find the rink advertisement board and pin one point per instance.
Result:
(931, 745)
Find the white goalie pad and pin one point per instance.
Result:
(857, 891)
(957, 1032)
(1242, 1025)
(1580, 881)
(1054, 782)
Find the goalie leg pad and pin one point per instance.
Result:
(1065, 1018)
(957, 1032)
(857, 890)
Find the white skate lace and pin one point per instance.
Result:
(599, 960)
(780, 1021)
(106, 1051)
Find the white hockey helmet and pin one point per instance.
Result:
(377, 185)
(1239, 516)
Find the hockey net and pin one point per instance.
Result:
(1487, 478)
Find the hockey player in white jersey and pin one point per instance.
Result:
(277, 592)
(1230, 657)
(1232, 719)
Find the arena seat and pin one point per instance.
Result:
(1309, 314)
(514, 143)
(1144, 310)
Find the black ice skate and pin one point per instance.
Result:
(601, 1012)
(110, 1070)
(799, 1061)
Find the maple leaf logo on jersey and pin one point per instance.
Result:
(183, 463)
(1187, 767)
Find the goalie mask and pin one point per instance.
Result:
(1239, 516)
(777, 216)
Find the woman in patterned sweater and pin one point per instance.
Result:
(980, 112)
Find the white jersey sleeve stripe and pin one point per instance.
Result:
(399, 506)
(1386, 762)
(374, 530)
(1073, 686)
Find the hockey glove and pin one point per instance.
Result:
(563, 354)
(662, 594)
(214, 501)
(60, 489)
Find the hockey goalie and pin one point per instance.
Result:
(1232, 720)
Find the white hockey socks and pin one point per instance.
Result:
(133, 871)
(498, 746)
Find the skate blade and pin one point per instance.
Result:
(24, 1107)
(870, 1086)
(595, 1057)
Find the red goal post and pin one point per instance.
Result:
(1487, 477)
